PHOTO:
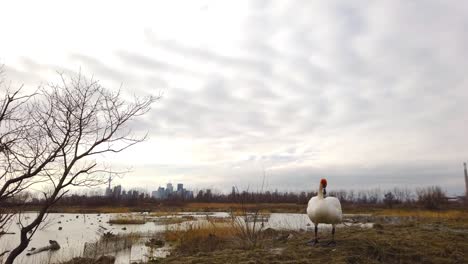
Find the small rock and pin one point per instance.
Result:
(290, 236)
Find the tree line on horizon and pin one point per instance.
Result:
(432, 197)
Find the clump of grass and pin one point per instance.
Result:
(235, 232)
(162, 213)
(127, 221)
(173, 220)
(201, 237)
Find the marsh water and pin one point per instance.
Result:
(77, 233)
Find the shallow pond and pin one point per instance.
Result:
(74, 231)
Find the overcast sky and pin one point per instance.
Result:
(364, 93)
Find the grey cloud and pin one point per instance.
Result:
(114, 76)
(385, 76)
(98, 67)
(394, 74)
(204, 55)
(151, 64)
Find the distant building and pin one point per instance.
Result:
(109, 189)
(188, 194)
(159, 194)
(108, 192)
(117, 191)
(169, 188)
(162, 193)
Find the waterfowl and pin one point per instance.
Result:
(323, 210)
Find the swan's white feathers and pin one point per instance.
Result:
(324, 210)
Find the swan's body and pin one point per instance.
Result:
(323, 210)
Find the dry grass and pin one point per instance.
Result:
(127, 221)
(200, 230)
(424, 241)
(168, 208)
(202, 237)
(174, 220)
(265, 207)
(162, 213)
(444, 215)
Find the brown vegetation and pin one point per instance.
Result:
(201, 237)
(127, 221)
(427, 237)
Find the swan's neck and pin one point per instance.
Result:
(320, 192)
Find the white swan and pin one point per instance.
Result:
(324, 211)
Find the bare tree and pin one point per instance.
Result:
(13, 130)
(432, 197)
(69, 123)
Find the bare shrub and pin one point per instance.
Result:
(431, 197)
(389, 199)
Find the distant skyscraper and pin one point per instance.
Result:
(169, 191)
(108, 192)
(117, 191)
(161, 193)
(169, 188)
